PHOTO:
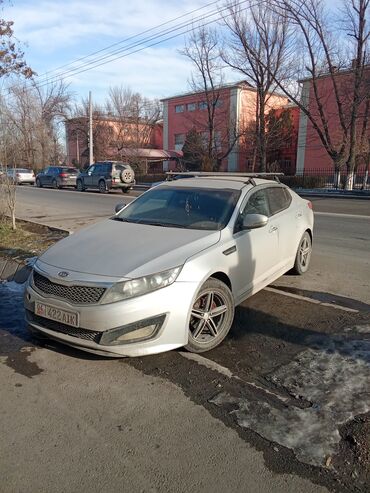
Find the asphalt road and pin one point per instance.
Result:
(340, 263)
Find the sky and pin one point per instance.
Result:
(54, 33)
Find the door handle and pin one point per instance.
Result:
(272, 229)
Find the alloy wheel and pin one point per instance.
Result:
(208, 316)
(304, 252)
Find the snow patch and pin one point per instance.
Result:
(334, 375)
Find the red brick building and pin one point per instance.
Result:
(312, 157)
(235, 110)
(135, 142)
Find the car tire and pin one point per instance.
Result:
(206, 331)
(127, 176)
(102, 187)
(38, 183)
(303, 257)
(125, 190)
(54, 184)
(79, 186)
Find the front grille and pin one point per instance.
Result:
(79, 295)
(90, 335)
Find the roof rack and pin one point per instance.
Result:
(220, 174)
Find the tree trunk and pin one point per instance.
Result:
(364, 181)
(14, 227)
(337, 178)
(349, 180)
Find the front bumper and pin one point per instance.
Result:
(174, 301)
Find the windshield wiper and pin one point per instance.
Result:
(123, 220)
(165, 225)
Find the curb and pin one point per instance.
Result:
(14, 270)
(364, 195)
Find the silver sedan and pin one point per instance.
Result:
(169, 268)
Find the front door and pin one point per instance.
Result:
(88, 177)
(257, 249)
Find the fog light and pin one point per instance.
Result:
(135, 332)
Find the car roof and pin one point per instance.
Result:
(233, 182)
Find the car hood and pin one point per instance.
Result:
(127, 250)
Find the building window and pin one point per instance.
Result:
(179, 108)
(203, 105)
(191, 106)
(218, 103)
(179, 141)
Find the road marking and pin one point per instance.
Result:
(337, 214)
(212, 365)
(310, 300)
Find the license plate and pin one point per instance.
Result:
(53, 313)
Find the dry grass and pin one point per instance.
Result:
(28, 240)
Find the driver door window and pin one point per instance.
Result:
(257, 204)
(88, 178)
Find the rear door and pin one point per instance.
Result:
(96, 175)
(283, 217)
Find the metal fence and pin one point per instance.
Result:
(322, 178)
(327, 179)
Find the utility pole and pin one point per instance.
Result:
(91, 143)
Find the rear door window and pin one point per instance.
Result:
(278, 199)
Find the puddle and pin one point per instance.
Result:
(12, 312)
(15, 341)
(334, 376)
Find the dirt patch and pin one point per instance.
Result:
(353, 459)
(320, 358)
(28, 240)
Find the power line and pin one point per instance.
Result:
(159, 37)
(128, 39)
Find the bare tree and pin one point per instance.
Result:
(11, 56)
(10, 193)
(345, 70)
(258, 49)
(132, 118)
(203, 50)
(53, 104)
(34, 114)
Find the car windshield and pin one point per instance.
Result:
(192, 208)
(73, 171)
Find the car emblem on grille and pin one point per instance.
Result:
(63, 273)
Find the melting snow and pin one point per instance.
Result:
(334, 376)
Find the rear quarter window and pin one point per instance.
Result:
(279, 199)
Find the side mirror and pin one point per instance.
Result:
(254, 221)
(119, 206)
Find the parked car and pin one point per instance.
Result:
(21, 176)
(107, 175)
(169, 268)
(57, 177)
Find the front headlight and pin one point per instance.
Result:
(143, 285)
